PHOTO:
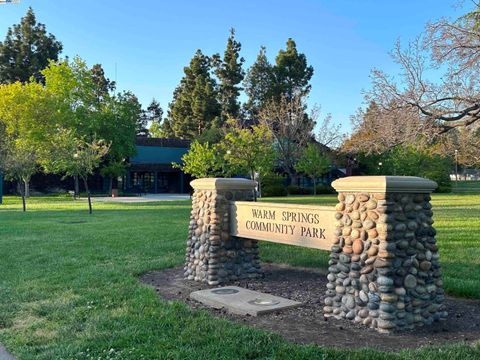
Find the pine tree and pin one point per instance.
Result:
(292, 74)
(26, 50)
(258, 85)
(230, 74)
(103, 85)
(194, 107)
(155, 116)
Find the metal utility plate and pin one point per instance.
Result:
(240, 301)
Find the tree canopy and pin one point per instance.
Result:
(27, 50)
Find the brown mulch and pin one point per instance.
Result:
(306, 324)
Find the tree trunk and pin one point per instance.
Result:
(314, 186)
(22, 192)
(110, 185)
(88, 195)
(27, 188)
(255, 192)
(76, 186)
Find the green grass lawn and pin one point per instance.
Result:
(69, 288)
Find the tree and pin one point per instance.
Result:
(409, 160)
(230, 73)
(27, 50)
(291, 129)
(202, 160)
(313, 163)
(85, 105)
(292, 74)
(448, 53)
(155, 116)
(78, 157)
(330, 134)
(249, 151)
(194, 108)
(20, 164)
(463, 144)
(258, 85)
(377, 130)
(288, 78)
(103, 85)
(26, 111)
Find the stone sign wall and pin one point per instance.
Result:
(384, 269)
(301, 225)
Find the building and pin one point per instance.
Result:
(151, 170)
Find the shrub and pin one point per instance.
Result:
(274, 190)
(273, 185)
(410, 161)
(297, 190)
(325, 189)
(441, 178)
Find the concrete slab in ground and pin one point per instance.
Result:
(143, 198)
(242, 301)
(5, 355)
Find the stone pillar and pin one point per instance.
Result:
(214, 256)
(384, 265)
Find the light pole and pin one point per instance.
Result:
(456, 166)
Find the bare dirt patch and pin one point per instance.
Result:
(306, 324)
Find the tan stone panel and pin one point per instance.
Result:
(384, 184)
(301, 225)
(223, 184)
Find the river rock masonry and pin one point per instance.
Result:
(214, 256)
(384, 269)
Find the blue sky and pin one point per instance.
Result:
(151, 41)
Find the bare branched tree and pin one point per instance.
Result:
(448, 51)
(291, 128)
(377, 129)
(330, 133)
(464, 145)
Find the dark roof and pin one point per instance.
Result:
(162, 142)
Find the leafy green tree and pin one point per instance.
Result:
(249, 151)
(20, 163)
(292, 73)
(230, 74)
(75, 156)
(313, 163)
(202, 160)
(26, 111)
(113, 169)
(194, 108)
(213, 136)
(258, 85)
(27, 50)
(85, 105)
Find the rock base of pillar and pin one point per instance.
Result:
(384, 269)
(213, 256)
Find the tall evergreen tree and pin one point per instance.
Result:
(258, 85)
(292, 73)
(103, 85)
(26, 50)
(230, 74)
(194, 108)
(155, 116)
